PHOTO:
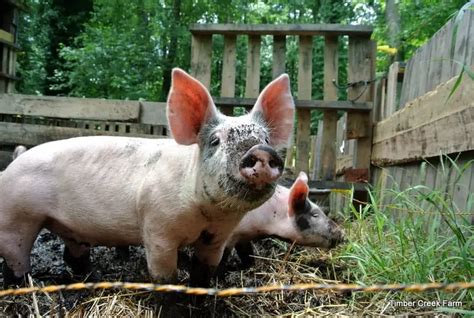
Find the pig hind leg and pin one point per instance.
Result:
(77, 257)
(15, 248)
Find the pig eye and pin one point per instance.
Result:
(267, 140)
(214, 141)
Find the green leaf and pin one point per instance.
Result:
(456, 85)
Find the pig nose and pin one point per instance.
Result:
(337, 238)
(261, 165)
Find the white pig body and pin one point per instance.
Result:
(127, 191)
(288, 215)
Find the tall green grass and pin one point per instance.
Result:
(418, 236)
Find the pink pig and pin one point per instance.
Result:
(163, 194)
(288, 215)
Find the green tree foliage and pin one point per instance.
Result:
(420, 20)
(126, 49)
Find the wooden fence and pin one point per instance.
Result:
(32, 120)
(8, 44)
(428, 123)
(360, 68)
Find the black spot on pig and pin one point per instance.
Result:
(302, 207)
(302, 223)
(206, 237)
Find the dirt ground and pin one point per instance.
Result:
(48, 268)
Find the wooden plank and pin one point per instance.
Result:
(406, 83)
(32, 135)
(279, 49)
(282, 29)
(201, 54)
(426, 109)
(446, 63)
(360, 69)
(436, 44)
(6, 36)
(305, 68)
(362, 52)
(379, 99)
(315, 185)
(462, 41)
(423, 71)
(414, 90)
(153, 113)
(12, 72)
(228, 70)
(428, 140)
(317, 149)
(470, 43)
(338, 105)
(327, 168)
(69, 107)
(252, 81)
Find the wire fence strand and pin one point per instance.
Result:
(239, 291)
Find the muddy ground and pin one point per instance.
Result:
(48, 268)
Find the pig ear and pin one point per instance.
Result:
(189, 107)
(277, 108)
(298, 195)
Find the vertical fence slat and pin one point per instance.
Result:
(446, 63)
(435, 61)
(327, 168)
(305, 67)
(228, 70)
(359, 125)
(201, 48)
(460, 49)
(279, 49)
(470, 44)
(252, 81)
(406, 83)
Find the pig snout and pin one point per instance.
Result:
(337, 235)
(261, 165)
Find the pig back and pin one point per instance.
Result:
(89, 185)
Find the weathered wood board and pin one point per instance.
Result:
(69, 107)
(32, 135)
(282, 29)
(327, 167)
(427, 126)
(435, 62)
(305, 69)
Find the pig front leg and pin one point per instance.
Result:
(209, 250)
(162, 259)
(204, 264)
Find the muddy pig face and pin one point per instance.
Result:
(314, 227)
(238, 159)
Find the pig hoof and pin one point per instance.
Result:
(9, 278)
(80, 265)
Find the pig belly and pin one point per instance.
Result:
(83, 189)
